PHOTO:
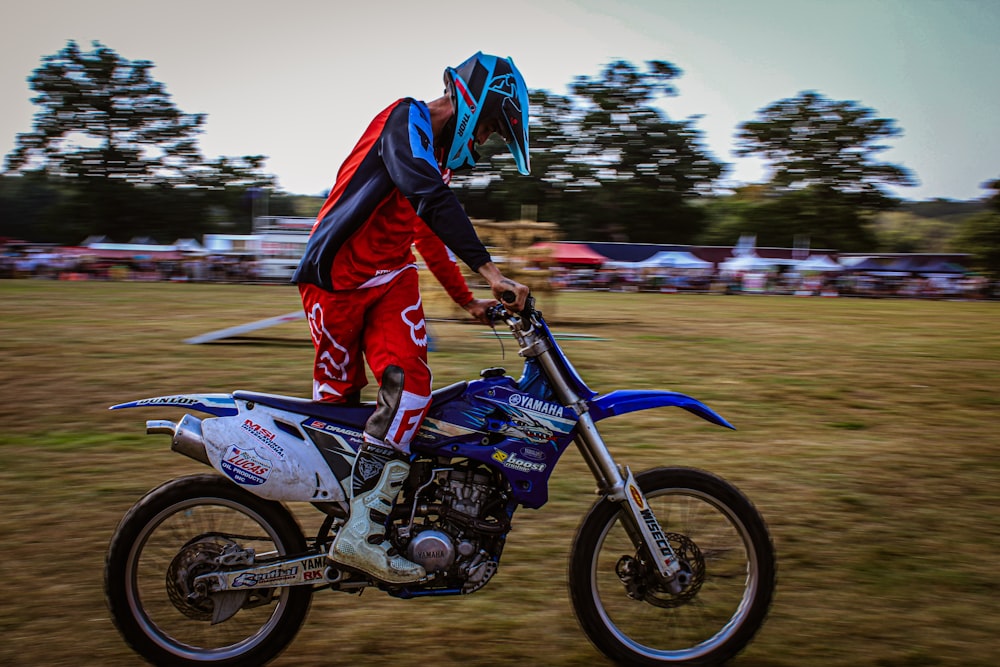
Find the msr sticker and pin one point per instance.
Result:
(265, 436)
(245, 466)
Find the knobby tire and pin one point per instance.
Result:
(138, 597)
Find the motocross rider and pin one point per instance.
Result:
(359, 284)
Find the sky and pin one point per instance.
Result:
(298, 80)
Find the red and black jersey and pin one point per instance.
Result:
(386, 191)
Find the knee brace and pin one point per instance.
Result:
(398, 413)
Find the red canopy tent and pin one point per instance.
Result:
(572, 253)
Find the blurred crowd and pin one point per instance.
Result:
(208, 268)
(227, 268)
(860, 284)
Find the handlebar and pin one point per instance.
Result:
(523, 325)
(499, 312)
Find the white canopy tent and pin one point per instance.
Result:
(820, 263)
(674, 259)
(665, 259)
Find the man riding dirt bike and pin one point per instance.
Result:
(359, 285)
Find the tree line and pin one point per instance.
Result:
(110, 154)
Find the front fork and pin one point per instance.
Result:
(619, 485)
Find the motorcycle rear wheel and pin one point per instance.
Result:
(722, 537)
(173, 533)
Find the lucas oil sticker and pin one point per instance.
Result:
(245, 466)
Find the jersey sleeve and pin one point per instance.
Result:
(441, 263)
(408, 154)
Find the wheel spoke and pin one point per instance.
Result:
(162, 544)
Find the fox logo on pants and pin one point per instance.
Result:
(335, 359)
(413, 316)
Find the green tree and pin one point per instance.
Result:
(104, 116)
(979, 234)
(109, 135)
(648, 166)
(994, 201)
(28, 203)
(826, 180)
(728, 217)
(904, 231)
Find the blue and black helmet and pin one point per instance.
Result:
(486, 88)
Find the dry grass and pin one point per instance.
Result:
(866, 438)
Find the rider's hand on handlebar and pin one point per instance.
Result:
(505, 288)
(502, 287)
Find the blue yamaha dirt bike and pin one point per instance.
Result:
(671, 566)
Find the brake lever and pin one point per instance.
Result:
(496, 313)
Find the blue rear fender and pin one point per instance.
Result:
(623, 401)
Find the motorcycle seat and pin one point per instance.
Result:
(353, 415)
(349, 414)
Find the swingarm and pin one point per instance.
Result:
(310, 569)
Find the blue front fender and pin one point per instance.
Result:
(624, 401)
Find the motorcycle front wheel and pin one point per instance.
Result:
(728, 558)
(177, 532)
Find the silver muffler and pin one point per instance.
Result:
(187, 437)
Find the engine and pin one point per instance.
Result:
(456, 524)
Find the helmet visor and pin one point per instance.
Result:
(514, 131)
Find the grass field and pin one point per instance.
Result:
(867, 438)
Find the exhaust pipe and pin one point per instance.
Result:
(187, 437)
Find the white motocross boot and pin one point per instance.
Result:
(378, 474)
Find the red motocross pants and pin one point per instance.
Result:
(383, 325)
